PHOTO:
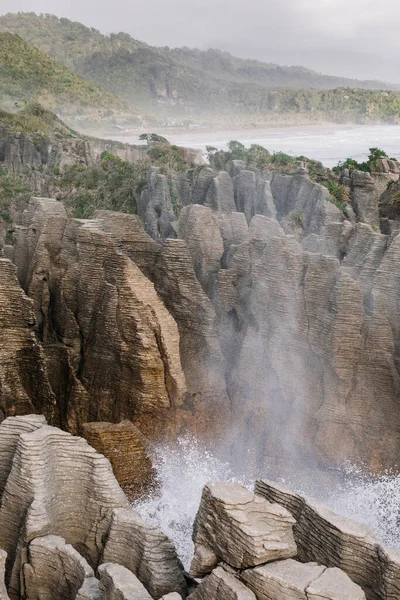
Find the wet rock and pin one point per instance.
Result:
(289, 580)
(335, 541)
(240, 528)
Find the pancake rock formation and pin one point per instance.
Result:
(66, 526)
(250, 540)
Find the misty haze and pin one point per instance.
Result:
(199, 300)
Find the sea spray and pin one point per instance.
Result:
(185, 467)
(375, 502)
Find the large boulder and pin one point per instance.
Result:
(240, 528)
(118, 583)
(335, 541)
(146, 552)
(127, 450)
(221, 585)
(292, 580)
(54, 570)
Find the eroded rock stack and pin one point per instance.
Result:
(246, 545)
(256, 314)
(63, 514)
(327, 538)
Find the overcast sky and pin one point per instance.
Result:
(345, 37)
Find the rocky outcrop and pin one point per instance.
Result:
(240, 529)
(270, 576)
(221, 585)
(145, 551)
(291, 579)
(24, 383)
(54, 570)
(335, 541)
(272, 317)
(127, 450)
(58, 523)
(118, 583)
(125, 364)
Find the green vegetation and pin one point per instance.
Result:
(297, 218)
(340, 193)
(182, 81)
(258, 157)
(12, 187)
(27, 73)
(367, 166)
(33, 118)
(153, 137)
(115, 184)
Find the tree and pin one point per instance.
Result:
(153, 137)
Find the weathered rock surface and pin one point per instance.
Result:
(125, 364)
(24, 384)
(291, 339)
(127, 450)
(335, 541)
(3, 591)
(291, 580)
(57, 518)
(145, 551)
(54, 570)
(221, 585)
(240, 528)
(118, 583)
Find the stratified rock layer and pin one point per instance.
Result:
(127, 450)
(335, 541)
(145, 551)
(57, 518)
(221, 585)
(240, 528)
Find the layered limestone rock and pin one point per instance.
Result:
(368, 188)
(24, 382)
(58, 523)
(127, 450)
(125, 364)
(274, 313)
(54, 570)
(240, 529)
(335, 541)
(146, 552)
(118, 583)
(3, 590)
(288, 579)
(221, 585)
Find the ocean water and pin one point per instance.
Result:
(328, 144)
(183, 470)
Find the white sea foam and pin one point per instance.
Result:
(374, 502)
(186, 467)
(182, 470)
